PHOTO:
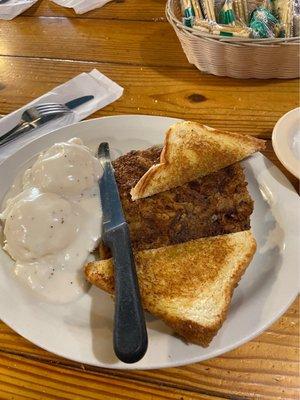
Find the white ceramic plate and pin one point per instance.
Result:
(286, 141)
(82, 330)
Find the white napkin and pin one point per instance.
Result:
(13, 8)
(81, 6)
(104, 90)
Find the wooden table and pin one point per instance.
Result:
(131, 42)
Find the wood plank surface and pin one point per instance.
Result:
(178, 92)
(133, 10)
(129, 42)
(267, 367)
(53, 382)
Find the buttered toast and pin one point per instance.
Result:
(188, 285)
(192, 150)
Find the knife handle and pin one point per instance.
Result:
(22, 127)
(130, 334)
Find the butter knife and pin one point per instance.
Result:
(130, 334)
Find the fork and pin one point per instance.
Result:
(34, 117)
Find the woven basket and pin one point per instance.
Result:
(236, 57)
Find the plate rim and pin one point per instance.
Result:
(169, 363)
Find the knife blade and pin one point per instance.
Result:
(130, 334)
(113, 215)
(78, 102)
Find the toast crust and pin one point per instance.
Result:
(176, 280)
(192, 150)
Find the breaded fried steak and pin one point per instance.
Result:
(215, 204)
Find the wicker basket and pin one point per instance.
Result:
(236, 57)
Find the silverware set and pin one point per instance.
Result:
(36, 116)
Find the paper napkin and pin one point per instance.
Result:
(81, 6)
(104, 90)
(13, 8)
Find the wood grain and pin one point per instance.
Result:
(129, 42)
(132, 10)
(267, 367)
(42, 381)
(177, 92)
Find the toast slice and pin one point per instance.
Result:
(188, 285)
(190, 151)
